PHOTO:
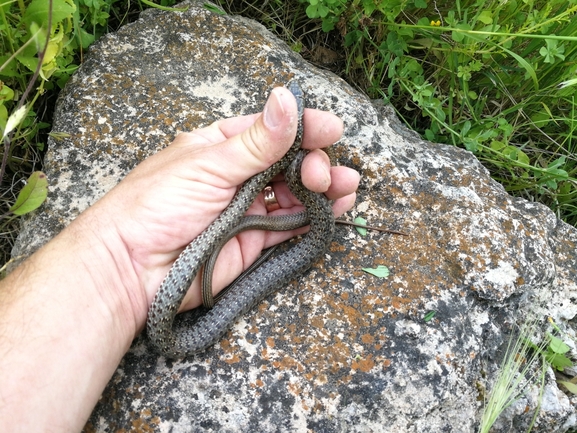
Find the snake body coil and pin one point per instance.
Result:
(176, 338)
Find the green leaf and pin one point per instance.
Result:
(32, 195)
(558, 173)
(457, 35)
(3, 116)
(369, 6)
(28, 61)
(557, 345)
(360, 220)
(558, 361)
(6, 93)
(486, 17)
(37, 11)
(525, 65)
(558, 162)
(14, 120)
(571, 387)
(380, 271)
(429, 315)
(551, 184)
(8, 66)
(86, 39)
(472, 145)
(214, 9)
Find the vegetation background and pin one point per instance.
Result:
(497, 77)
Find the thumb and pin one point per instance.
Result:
(265, 142)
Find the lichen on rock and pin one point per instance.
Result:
(339, 350)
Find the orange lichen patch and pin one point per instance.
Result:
(270, 342)
(135, 392)
(321, 379)
(386, 363)
(89, 428)
(317, 322)
(294, 388)
(367, 338)
(322, 360)
(318, 407)
(342, 311)
(346, 379)
(141, 423)
(225, 345)
(232, 360)
(336, 247)
(287, 363)
(259, 383)
(365, 365)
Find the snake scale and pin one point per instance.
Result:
(177, 338)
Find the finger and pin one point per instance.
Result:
(265, 142)
(321, 129)
(316, 171)
(344, 181)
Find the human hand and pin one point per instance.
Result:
(88, 290)
(171, 197)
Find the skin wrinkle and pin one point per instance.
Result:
(136, 300)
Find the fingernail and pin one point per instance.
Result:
(273, 111)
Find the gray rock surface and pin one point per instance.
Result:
(339, 350)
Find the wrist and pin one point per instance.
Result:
(107, 266)
(68, 317)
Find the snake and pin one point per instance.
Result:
(249, 222)
(190, 333)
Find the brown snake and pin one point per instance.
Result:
(174, 336)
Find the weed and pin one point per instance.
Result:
(42, 42)
(497, 78)
(524, 365)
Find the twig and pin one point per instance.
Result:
(379, 229)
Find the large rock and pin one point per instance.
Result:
(340, 350)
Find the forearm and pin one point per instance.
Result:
(64, 326)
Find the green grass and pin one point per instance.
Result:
(497, 78)
(521, 368)
(524, 367)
